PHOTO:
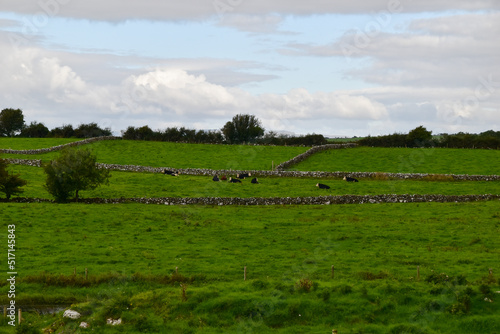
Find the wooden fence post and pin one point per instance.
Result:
(19, 315)
(245, 273)
(86, 273)
(333, 271)
(176, 270)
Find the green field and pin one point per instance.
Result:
(405, 160)
(165, 154)
(375, 250)
(132, 250)
(130, 184)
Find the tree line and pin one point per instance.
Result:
(241, 129)
(421, 137)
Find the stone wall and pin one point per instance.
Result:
(266, 173)
(301, 157)
(59, 147)
(317, 200)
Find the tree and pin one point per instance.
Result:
(10, 184)
(419, 137)
(11, 121)
(91, 130)
(243, 128)
(73, 171)
(35, 130)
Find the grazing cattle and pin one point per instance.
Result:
(223, 178)
(234, 180)
(350, 179)
(322, 186)
(254, 180)
(243, 176)
(216, 178)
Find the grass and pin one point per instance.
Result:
(375, 250)
(175, 155)
(33, 143)
(129, 184)
(132, 250)
(405, 160)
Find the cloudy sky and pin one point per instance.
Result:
(339, 68)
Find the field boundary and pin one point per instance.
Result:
(315, 200)
(280, 173)
(313, 150)
(59, 147)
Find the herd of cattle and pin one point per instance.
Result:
(243, 176)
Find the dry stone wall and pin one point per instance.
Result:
(311, 151)
(280, 173)
(317, 200)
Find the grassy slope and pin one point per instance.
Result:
(405, 160)
(33, 143)
(164, 154)
(280, 246)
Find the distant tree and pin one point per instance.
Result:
(73, 171)
(10, 184)
(91, 130)
(419, 137)
(11, 122)
(243, 128)
(35, 130)
(66, 131)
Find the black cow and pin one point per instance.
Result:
(254, 180)
(169, 172)
(322, 186)
(234, 180)
(216, 178)
(350, 179)
(243, 176)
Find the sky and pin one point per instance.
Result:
(337, 68)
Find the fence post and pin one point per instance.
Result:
(491, 272)
(418, 273)
(176, 270)
(86, 273)
(333, 271)
(19, 315)
(245, 273)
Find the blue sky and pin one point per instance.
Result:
(336, 68)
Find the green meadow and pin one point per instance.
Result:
(405, 160)
(177, 155)
(397, 268)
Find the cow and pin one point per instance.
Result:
(223, 178)
(243, 176)
(322, 186)
(216, 178)
(231, 180)
(350, 179)
(171, 173)
(254, 180)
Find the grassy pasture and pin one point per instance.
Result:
(165, 154)
(375, 250)
(129, 184)
(404, 160)
(33, 143)
(132, 250)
